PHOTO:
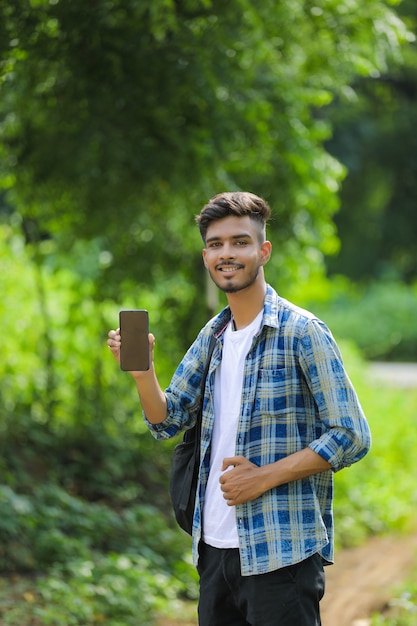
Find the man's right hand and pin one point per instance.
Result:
(114, 342)
(153, 400)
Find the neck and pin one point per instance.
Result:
(246, 304)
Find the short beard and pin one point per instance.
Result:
(240, 287)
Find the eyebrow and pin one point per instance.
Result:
(240, 236)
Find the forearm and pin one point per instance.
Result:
(296, 466)
(151, 396)
(247, 481)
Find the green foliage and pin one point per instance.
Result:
(93, 564)
(56, 367)
(115, 590)
(119, 590)
(48, 525)
(77, 505)
(120, 119)
(379, 494)
(374, 137)
(379, 317)
(119, 560)
(82, 483)
(387, 498)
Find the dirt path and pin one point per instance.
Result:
(359, 583)
(362, 579)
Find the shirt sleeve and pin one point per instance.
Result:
(183, 393)
(346, 437)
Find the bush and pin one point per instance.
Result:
(48, 525)
(93, 564)
(378, 317)
(116, 590)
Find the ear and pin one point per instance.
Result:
(266, 249)
(205, 256)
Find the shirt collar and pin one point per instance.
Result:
(270, 315)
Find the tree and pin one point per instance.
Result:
(119, 119)
(120, 116)
(374, 136)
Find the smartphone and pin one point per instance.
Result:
(134, 350)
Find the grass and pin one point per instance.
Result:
(379, 494)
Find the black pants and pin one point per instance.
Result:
(286, 597)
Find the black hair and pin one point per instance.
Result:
(237, 203)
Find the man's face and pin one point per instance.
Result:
(233, 254)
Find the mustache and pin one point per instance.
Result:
(228, 264)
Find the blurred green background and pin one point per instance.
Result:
(119, 119)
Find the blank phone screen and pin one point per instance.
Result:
(134, 350)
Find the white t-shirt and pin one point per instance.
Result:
(219, 521)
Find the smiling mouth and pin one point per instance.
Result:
(228, 268)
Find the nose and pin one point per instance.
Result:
(227, 251)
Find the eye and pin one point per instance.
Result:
(241, 243)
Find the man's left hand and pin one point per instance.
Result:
(242, 483)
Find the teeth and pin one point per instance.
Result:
(229, 269)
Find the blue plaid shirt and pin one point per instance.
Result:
(295, 394)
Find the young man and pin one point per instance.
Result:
(280, 416)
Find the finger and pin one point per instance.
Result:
(230, 462)
(114, 340)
